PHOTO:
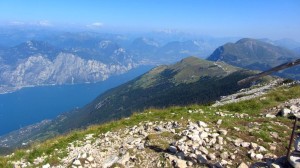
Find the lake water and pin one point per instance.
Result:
(32, 105)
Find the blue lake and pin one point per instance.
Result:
(32, 105)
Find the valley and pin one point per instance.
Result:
(34, 104)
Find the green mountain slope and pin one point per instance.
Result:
(190, 81)
(255, 55)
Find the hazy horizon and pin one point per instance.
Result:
(276, 19)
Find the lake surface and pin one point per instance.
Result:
(32, 105)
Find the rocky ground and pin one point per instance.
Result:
(289, 108)
(167, 144)
(252, 92)
(197, 143)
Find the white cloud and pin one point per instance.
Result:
(95, 25)
(16, 23)
(44, 23)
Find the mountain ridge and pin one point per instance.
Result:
(256, 55)
(35, 63)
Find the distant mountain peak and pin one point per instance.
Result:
(34, 44)
(104, 44)
(245, 40)
(253, 54)
(190, 59)
(146, 41)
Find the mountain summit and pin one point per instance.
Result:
(253, 54)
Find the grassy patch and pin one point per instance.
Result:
(255, 106)
(161, 140)
(264, 135)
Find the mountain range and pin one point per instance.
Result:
(52, 58)
(38, 63)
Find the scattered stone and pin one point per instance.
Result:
(172, 149)
(262, 149)
(180, 163)
(202, 124)
(245, 144)
(223, 163)
(224, 155)
(189, 163)
(270, 116)
(259, 156)
(17, 166)
(219, 122)
(203, 135)
(90, 159)
(77, 163)
(243, 165)
(253, 145)
(89, 136)
(125, 158)
(140, 146)
(203, 150)
(84, 155)
(46, 165)
(274, 135)
(214, 135)
(110, 161)
(284, 112)
(294, 108)
(212, 141)
(272, 147)
(252, 155)
(222, 132)
(158, 128)
(220, 140)
(238, 142)
(211, 156)
(270, 155)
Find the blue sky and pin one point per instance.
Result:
(248, 18)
